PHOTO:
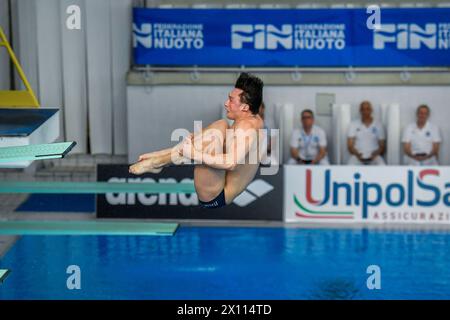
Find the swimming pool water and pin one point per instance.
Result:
(232, 263)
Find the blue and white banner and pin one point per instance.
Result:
(293, 37)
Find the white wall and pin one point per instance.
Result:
(83, 72)
(155, 111)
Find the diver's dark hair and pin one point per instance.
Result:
(252, 88)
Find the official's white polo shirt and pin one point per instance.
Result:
(366, 138)
(308, 145)
(421, 139)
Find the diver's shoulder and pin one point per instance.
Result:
(253, 123)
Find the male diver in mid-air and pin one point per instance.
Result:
(224, 162)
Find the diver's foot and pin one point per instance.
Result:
(149, 155)
(145, 166)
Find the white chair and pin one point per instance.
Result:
(341, 118)
(286, 112)
(393, 134)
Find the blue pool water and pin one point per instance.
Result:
(232, 263)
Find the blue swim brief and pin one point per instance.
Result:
(215, 203)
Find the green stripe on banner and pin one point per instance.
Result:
(3, 274)
(94, 187)
(87, 228)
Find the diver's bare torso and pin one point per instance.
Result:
(233, 182)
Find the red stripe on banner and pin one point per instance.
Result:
(309, 197)
(426, 172)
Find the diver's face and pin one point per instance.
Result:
(233, 105)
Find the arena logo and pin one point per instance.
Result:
(413, 193)
(412, 36)
(288, 36)
(150, 199)
(255, 190)
(168, 36)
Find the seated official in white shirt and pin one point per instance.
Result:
(308, 144)
(366, 139)
(421, 140)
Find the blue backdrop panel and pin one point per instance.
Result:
(291, 37)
